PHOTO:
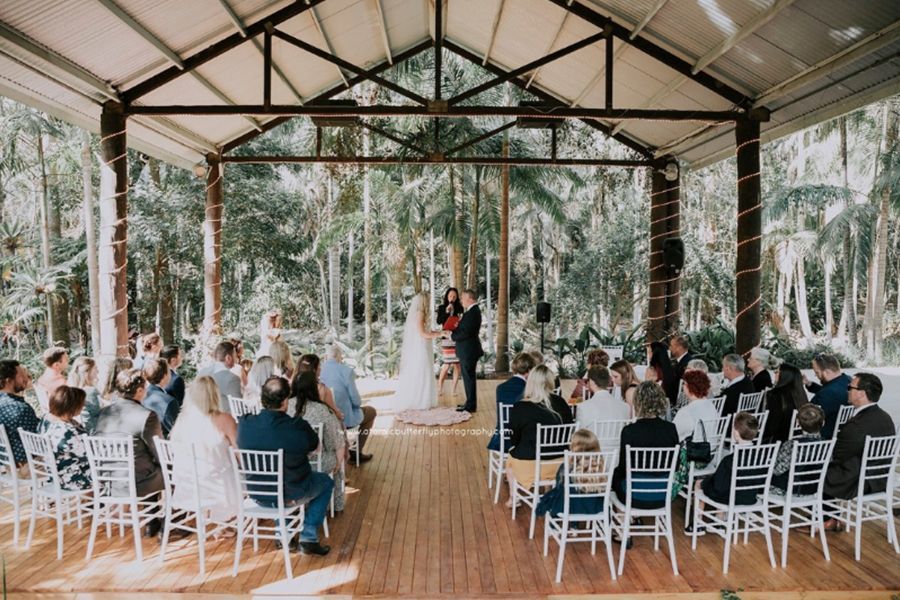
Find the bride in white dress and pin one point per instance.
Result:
(416, 389)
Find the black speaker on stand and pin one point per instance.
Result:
(543, 317)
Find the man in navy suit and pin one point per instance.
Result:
(172, 354)
(468, 347)
(511, 391)
(156, 372)
(273, 429)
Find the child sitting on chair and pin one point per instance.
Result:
(553, 501)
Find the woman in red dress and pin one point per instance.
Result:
(448, 315)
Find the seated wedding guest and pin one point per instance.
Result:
(263, 368)
(14, 411)
(699, 406)
(650, 430)
(272, 429)
(61, 426)
(83, 375)
(717, 487)
(341, 380)
(759, 363)
(601, 406)
(305, 389)
(681, 355)
(174, 357)
(150, 346)
(238, 368)
(227, 382)
(56, 361)
(311, 362)
(115, 366)
(525, 415)
(127, 416)
(661, 370)
(213, 433)
(832, 393)
(156, 372)
(811, 418)
(554, 501)
(734, 382)
(284, 360)
(696, 364)
(869, 419)
(625, 381)
(511, 391)
(595, 357)
(781, 401)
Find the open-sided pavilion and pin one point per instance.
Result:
(677, 82)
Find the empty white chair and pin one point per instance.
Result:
(552, 441)
(878, 471)
(352, 447)
(802, 498)
(717, 431)
(240, 407)
(609, 432)
(189, 505)
(751, 475)
(750, 402)
(115, 490)
(13, 489)
(587, 476)
(651, 472)
(844, 414)
(497, 458)
(615, 352)
(719, 403)
(48, 499)
(260, 473)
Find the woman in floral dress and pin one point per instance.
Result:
(62, 427)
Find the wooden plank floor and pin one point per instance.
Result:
(422, 524)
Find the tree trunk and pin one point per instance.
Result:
(431, 293)
(350, 287)
(471, 278)
(90, 241)
(323, 289)
(389, 309)
(334, 286)
(367, 241)
(50, 321)
(749, 236)
(487, 302)
(878, 260)
(849, 257)
(60, 307)
(829, 312)
(501, 364)
(456, 254)
(802, 310)
(212, 247)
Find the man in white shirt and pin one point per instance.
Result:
(228, 383)
(602, 406)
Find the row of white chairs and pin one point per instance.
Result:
(114, 500)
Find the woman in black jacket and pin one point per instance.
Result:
(781, 401)
(662, 371)
(525, 415)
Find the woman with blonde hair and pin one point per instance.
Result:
(533, 409)
(212, 433)
(83, 375)
(115, 366)
(283, 359)
(269, 332)
(553, 501)
(262, 369)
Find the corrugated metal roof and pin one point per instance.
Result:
(101, 49)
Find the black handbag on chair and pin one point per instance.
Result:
(699, 452)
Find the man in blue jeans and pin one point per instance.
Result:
(273, 429)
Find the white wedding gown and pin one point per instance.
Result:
(416, 389)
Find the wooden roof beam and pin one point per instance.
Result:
(239, 24)
(494, 26)
(382, 23)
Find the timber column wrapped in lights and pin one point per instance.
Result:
(113, 239)
(749, 233)
(212, 247)
(663, 304)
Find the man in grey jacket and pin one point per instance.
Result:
(228, 383)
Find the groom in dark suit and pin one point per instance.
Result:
(468, 347)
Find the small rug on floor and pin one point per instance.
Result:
(434, 416)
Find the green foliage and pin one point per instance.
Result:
(712, 343)
(802, 357)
